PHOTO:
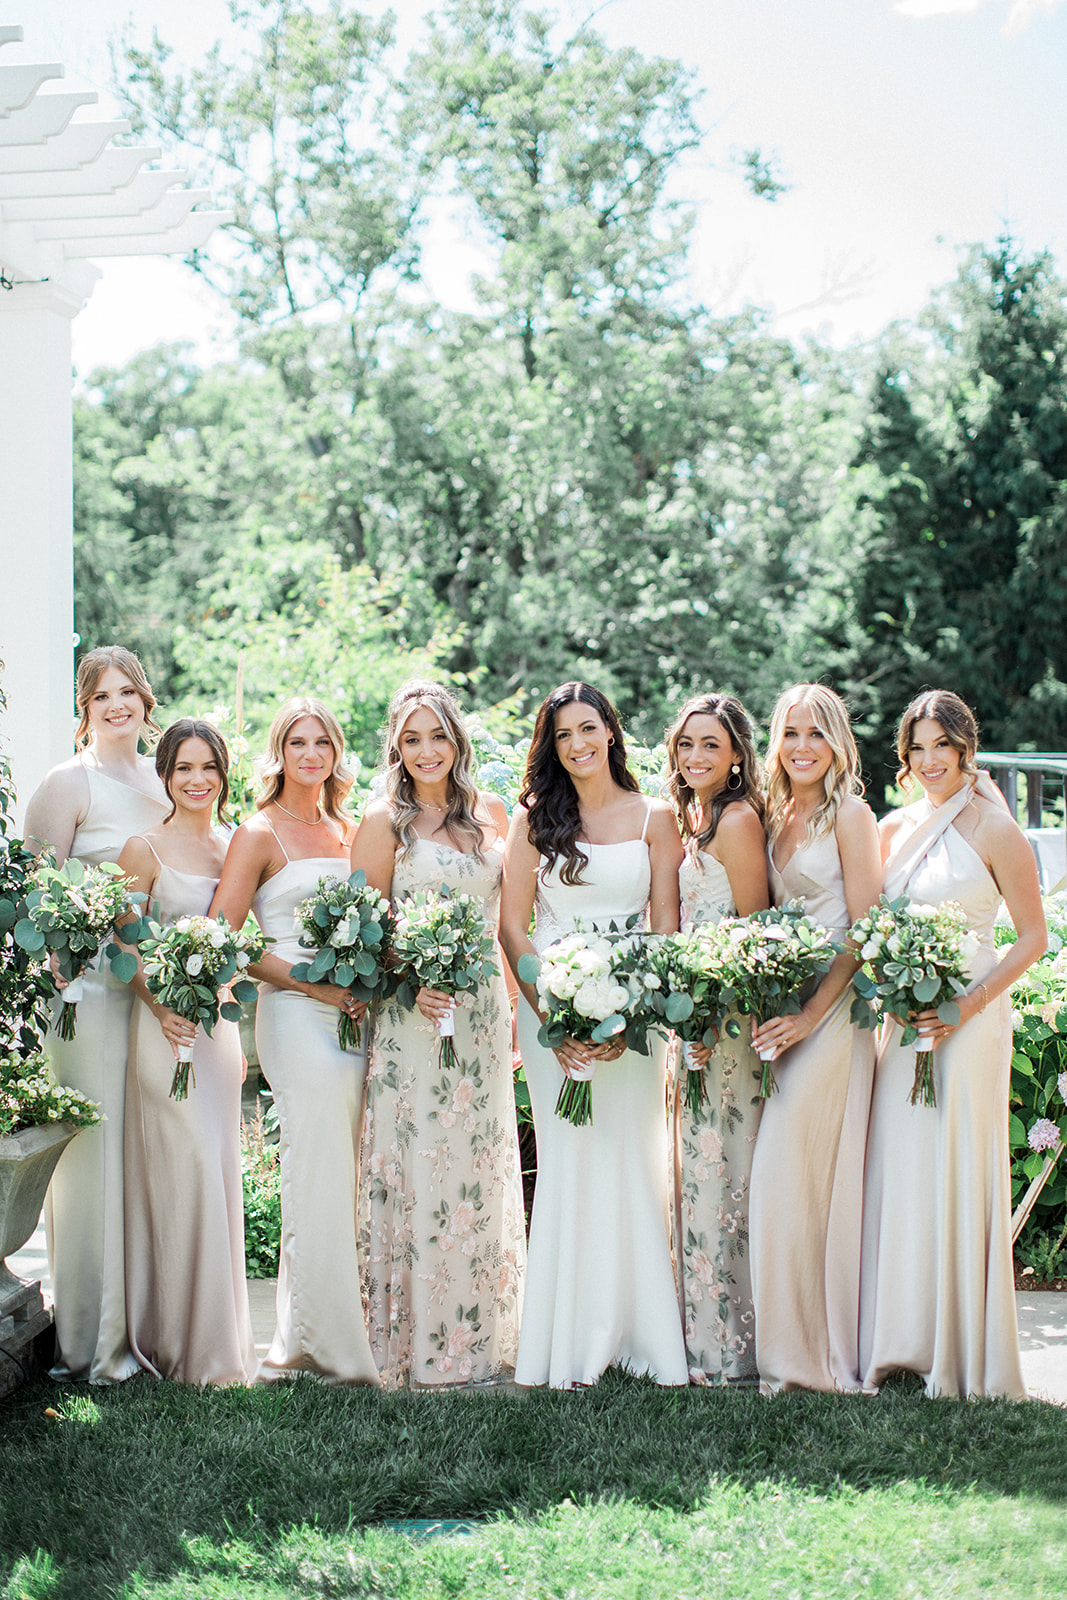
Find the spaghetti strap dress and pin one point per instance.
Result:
(443, 1242)
(600, 1286)
(713, 1153)
(186, 1293)
(84, 1206)
(807, 1174)
(318, 1092)
(937, 1283)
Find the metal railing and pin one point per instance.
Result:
(1006, 767)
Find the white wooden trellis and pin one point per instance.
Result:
(68, 197)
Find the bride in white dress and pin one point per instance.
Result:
(585, 845)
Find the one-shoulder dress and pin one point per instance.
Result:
(443, 1235)
(937, 1286)
(186, 1294)
(807, 1175)
(318, 1091)
(713, 1153)
(84, 1207)
(600, 1285)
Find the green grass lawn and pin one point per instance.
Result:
(151, 1490)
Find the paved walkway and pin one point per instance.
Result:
(1042, 1322)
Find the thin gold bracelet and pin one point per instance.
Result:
(985, 998)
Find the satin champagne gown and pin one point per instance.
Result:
(84, 1207)
(600, 1286)
(713, 1153)
(186, 1293)
(807, 1175)
(318, 1091)
(443, 1240)
(938, 1293)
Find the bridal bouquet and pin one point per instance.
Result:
(349, 926)
(689, 995)
(441, 942)
(767, 960)
(187, 966)
(914, 959)
(594, 986)
(69, 914)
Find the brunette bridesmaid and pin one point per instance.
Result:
(938, 1293)
(714, 784)
(87, 808)
(186, 1294)
(301, 833)
(807, 1174)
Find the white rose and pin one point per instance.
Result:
(217, 937)
(183, 924)
(870, 950)
(195, 964)
(242, 959)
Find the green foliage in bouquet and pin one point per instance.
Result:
(688, 996)
(350, 927)
(441, 941)
(68, 913)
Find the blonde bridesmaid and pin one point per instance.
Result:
(938, 1293)
(87, 808)
(714, 783)
(301, 832)
(186, 1294)
(807, 1174)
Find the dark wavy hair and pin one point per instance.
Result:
(953, 715)
(734, 718)
(548, 794)
(166, 754)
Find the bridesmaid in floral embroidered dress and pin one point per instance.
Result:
(443, 1240)
(87, 808)
(714, 786)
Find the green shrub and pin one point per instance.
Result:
(1038, 1077)
(261, 1182)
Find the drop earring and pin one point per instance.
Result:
(735, 772)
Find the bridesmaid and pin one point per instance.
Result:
(87, 808)
(938, 1292)
(186, 1294)
(299, 834)
(586, 845)
(443, 1234)
(714, 785)
(807, 1174)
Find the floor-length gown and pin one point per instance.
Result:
(937, 1288)
(807, 1174)
(443, 1235)
(83, 1209)
(186, 1293)
(713, 1153)
(600, 1285)
(318, 1091)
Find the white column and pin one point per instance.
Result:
(36, 563)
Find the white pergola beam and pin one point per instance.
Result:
(74, 147)
(142, 195)
(18, 85)
(190, 235)
(167, 213)
(48, 115)
(113, 170)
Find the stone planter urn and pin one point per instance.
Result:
(27, 1161)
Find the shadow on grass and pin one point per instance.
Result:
(122, 1479)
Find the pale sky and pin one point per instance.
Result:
(908, 128)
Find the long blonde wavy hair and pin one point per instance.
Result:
(91, 669)
(271, 767)
(460, 822)
(843, 777)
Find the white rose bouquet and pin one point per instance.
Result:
(69, 914)
(350, 927)
(688, 995)
(441, 942)
(594, 986)
(768, 958)
(188, 965)
(915, 958)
